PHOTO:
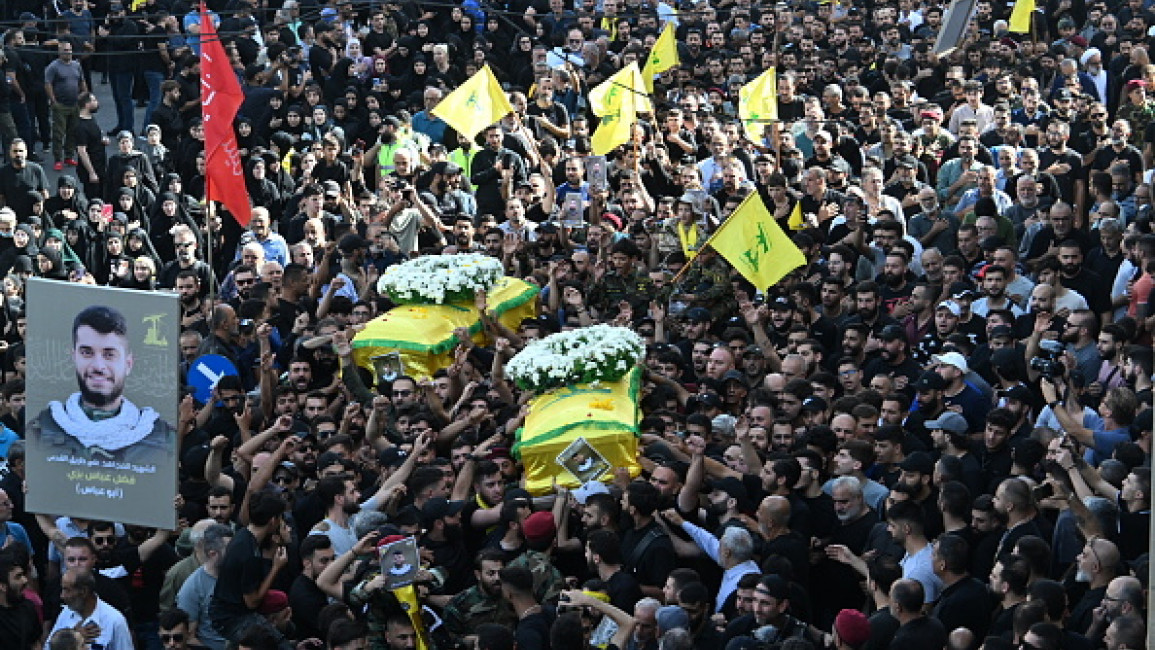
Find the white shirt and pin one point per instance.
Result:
(114, 634)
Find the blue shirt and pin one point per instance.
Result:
(17, 532)
(429, 124)
(1105, 443)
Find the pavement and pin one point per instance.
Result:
(105, 117)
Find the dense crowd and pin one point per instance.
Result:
(934, 434)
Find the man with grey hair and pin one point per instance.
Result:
(196, 593)
(645, 635)
(734, 553)
(176, 575)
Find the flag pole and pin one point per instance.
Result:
(689, 262)
(210, 214)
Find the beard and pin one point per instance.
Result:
(893, 279)
(99, 400)
(1070, 269)
(351, 508)
(453, 532)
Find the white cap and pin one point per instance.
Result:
(952, 359)
(589, 489)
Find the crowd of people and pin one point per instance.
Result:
(934, 434)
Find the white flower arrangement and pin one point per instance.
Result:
(439, 279)
(583, 356)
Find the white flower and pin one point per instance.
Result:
(434, 278)
(590, 355)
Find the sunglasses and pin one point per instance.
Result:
(173, 638)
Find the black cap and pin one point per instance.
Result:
(439, 508)
(699, 314)
(1020, 393)
(734, 375)
(782, 303)
(735, 488)
(930, 380)
(775, 586)
(391, 457)
(892, 333)
(813, 404)
(711, 400)
(920, 462)
(1001, 330)
(960, 289)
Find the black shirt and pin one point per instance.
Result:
(966, 603)
(19, 626)
(242, 571)
(307, 601)
(88, 135)
(921, 633)
(532, 632)
(655, 561)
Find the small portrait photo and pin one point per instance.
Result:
(399, 563)
(583, 461)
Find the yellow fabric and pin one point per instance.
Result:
(617, 101)
(757, 103)
(753, 242)
(475, 104)
(407, 597)
(1020, 22)
(663, 57)
(689, 239)
(606, 416)
(423, 334)
(137, 4)
(796, 222)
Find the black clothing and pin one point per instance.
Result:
(966, 603)
(921, 633)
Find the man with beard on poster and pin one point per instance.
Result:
(99, 422)
(341, 498)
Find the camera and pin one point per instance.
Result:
(1048, 363)
(247, 326)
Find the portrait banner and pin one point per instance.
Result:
(102, 389)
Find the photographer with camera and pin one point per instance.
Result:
(1117, 410)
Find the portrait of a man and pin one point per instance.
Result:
(98, 421)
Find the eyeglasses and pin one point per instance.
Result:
(402, 393)
(172, 638)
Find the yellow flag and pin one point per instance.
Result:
(617, 101)
(753, 242)
(758, 102)
(1021, 16)
(796, 222)
(663, 57)
(475, 104)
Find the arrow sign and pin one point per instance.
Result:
(204, 373)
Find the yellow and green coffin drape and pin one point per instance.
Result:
(423, 334)
(605, 416)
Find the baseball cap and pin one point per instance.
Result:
(332, 188)
(393, 456)
(1020, 393)
(930, 380)
(920, 462)
(734, 487)
(948, 421)
(813, 404)
(124, 135)
(588, 489)
(1001, 330)
(952, 359)
(951, 306)
(892, 333)
(753, 351)
(961, 290)
(273, 602)
(774, 586)
(671, 617)
(734, 375)
(439, 507)
(698, 314)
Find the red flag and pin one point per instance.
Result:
(221, 96)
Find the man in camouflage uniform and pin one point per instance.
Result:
(481, 603)
(624, 281)
(539, 531)
(707, 284)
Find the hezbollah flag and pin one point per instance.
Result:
(663, 57)
(617, 101)
(423, 335)
(1020, 22)
(580, 433)
(754, 243)
(758, 103)
(796, 222)
(475, 104)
